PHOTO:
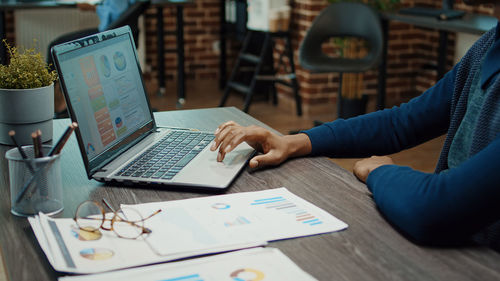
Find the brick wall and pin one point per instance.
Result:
(412, 57)
(201, 36)
(411, 51)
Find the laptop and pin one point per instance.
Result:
(118, 137)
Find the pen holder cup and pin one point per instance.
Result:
(35, 183)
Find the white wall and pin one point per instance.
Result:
(463, 43)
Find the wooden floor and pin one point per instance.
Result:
(203, 94)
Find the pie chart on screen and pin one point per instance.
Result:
(105, 67)
(119, 61)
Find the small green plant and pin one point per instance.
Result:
(27, 69)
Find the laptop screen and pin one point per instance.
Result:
(103, 82)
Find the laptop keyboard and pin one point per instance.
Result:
(167, 157)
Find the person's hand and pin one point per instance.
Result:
(364, 167)
(274, 148)
(86, 7)
(230, 134)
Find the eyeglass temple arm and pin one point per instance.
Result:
(145, 229)
(113, 210)
(153, 214)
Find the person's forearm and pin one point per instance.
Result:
(440, 208)
(298, 145)
(388, 131)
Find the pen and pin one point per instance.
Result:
(56, 149)
(12, 134)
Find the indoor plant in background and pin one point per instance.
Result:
(26, 95)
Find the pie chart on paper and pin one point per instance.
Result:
(96, 254)
(247, 274)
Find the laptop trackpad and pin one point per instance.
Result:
(205, 169)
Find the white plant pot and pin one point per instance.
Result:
(25, 111)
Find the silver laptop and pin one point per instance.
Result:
(118, 137)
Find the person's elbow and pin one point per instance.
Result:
(426, 226)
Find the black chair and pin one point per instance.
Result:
(342, 19)
(131, 18)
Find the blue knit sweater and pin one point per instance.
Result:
(451, 205)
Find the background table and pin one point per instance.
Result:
(179, 49)
(370, 249)
(469, 23)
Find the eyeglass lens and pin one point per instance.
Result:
(89, 216)
(126, 222)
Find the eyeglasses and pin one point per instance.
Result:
(124, 222)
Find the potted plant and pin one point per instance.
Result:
(26, 96)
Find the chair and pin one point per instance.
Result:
(260, 65)
(131, 18)
(342, 19)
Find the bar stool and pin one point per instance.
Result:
(261, 68)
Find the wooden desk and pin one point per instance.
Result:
(370, 249)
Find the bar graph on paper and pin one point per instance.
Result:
(281, 204)
(238, 221)
(193, 277)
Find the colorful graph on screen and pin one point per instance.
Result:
(97, 100)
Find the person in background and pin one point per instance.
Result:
(108, 11)
(460, 201)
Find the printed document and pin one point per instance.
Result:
(251, 264)
(206, 222)
(184, 228)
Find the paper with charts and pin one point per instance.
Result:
(185, 228)
(257, 264)
(267, 215)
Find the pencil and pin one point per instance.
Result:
(39, 142)
(56, 149)
(12, 134)
(36, 147)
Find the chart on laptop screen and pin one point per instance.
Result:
(104, 85)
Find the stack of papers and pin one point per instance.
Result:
(251, 264)
(185, 228)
